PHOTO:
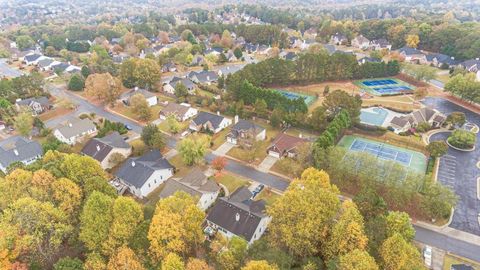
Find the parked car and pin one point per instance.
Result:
(427, 255)
(257, 190)
(128, 127)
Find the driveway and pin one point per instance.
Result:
(458, 171)
(223, 149)
(267, 163)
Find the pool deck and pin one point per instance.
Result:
(388, 118)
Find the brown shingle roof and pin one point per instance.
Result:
(284, 142)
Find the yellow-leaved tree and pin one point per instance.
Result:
(259, 265)
(124, 259)
(302, 217)
(357, 260)
(398, 254)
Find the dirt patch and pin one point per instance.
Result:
(411, 80)
(57, 112)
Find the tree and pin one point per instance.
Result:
(399, 222)
(422, 72)
(261, 109)
(139, 72)
(226, 40)
(24, 42)
(173, 262)
(95, 262)
(464, 86)
(176, 226)
(68, 263)
(103, 87)
(181, 90)
(127, 214)
(233, 255)
(456, 119)
(219, 163)
(347, 233)
(66, 194)
(259, 265)
(412, 41)
(153, 137)
(124, 259)
(238, 52)
(357, 260)
(173, 124)
(462, 139)
(85, 71)
(301, 218)
(338, 100)
(437, 148)
(420, 93)
(193, 148)
(76, 83)
(23, 123)
(95, 221)
(398, 254)
(140, 106)
(197, 264)
(221, 82)
(438, 201)
(318, 119)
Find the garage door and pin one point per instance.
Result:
(274, 154)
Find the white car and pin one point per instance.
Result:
(427, 255)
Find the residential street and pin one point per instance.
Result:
(423, 235)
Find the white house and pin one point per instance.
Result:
(169, 87)
(102, 149)
(197, 184)
(209, 121)
(74, 130)
(182, 111)
(144, 174)
(18, 149)
(239, 215)
(151, 99)
(424, 115)
(413, 55)
(361, 42)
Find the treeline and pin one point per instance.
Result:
(308, 68)
(334, 129)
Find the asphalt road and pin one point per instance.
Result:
(233, 166)
(458, 171)
(437, 83)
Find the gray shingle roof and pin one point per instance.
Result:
(99, 148)
(186, 82)
(136, 171)
(204, 117)
(32, 57)
(42, 100)
(225, 212)
(244, 126)
(135, 91)
(25, 150)
(75, 127)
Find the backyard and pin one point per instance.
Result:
(231, 181)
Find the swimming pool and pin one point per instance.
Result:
(292, 95)
(373, 116)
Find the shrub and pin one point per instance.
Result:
(462, 139)
(76, 83)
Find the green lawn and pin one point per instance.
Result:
(181, 168)
(453, 259)
(231, 181)
(163, 126)
(287, 166)
(219, 138)
(259, 152)
(268, 196)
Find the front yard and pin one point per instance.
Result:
(163, 126)
(269, 196)
(127, 111)
(231, 181)
(450, 260)
(288, 167)
(219, 138)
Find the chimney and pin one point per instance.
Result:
(235, 119)
(237, 217)
(98, 148)
(70, 124)
(218, 112)
(15, 152)
(133, 163)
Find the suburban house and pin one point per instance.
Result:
(413, 55)
(32, 59)
(36, 105)
(438, 59)
(169, 67)
(102, 149)
(227, 70)
(213, 51)
(285, 145)
(145, 173)
(424, 115)
(288, 55)
(45, 63)
(209, 121)
(74, 130)
(245, 133)
(196, 184)
(151, 99)
(361, 42)
(198, 60)
(251, 48)
(182, 111)
(339, 39)
(119, 58)
(18, 149)
(380, 44)
(231, 56)
(170, 86)
(239, 215)
(203, 77)
(472, 65)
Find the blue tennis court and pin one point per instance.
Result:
(379, 82)
(385, 87)
(381, 151)
(292, 95)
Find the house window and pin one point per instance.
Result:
(155, 181)
(148, 185)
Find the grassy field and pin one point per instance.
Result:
(450, 260)
(163, 126)
(231, 181)
(268, 196)
(127, 111)
(219, 138)
(288, 167)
